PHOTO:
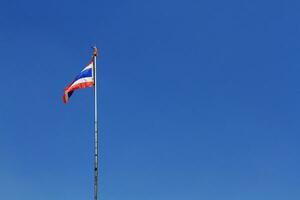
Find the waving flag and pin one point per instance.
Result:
(82, 80)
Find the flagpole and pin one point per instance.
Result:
(96, 126)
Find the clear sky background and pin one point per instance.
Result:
(197, 99)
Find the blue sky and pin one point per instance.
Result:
(197, 99)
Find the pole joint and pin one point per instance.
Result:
(95, 51)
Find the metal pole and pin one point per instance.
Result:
(96, 126)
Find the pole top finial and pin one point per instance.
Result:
(95, 51)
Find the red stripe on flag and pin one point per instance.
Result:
(75, 87)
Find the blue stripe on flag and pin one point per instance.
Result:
(84, 74)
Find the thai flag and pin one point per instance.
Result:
(83, 80)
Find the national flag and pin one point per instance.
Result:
(83, 80)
